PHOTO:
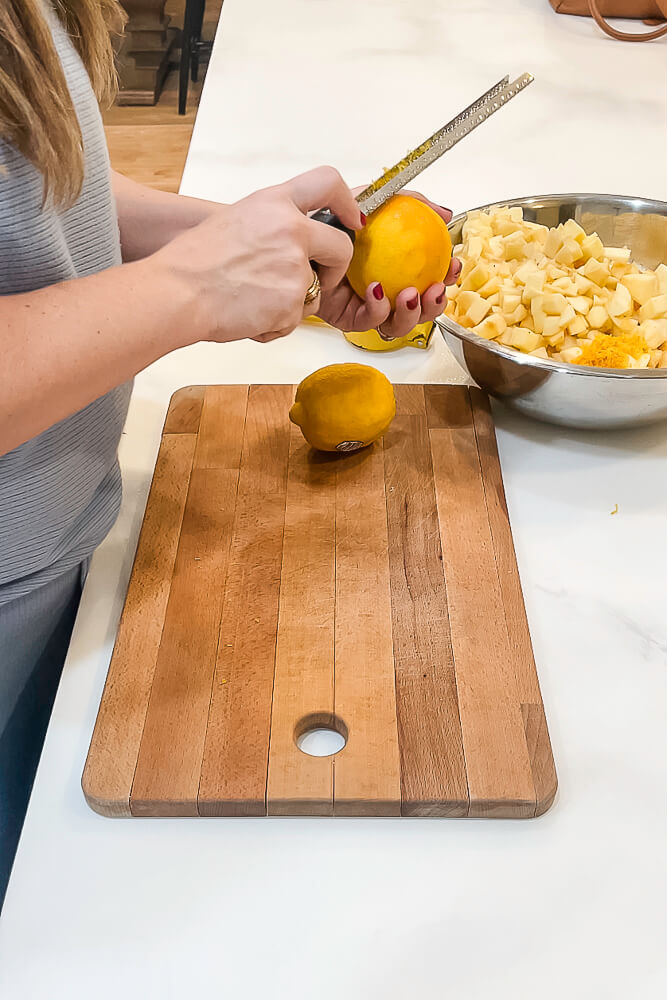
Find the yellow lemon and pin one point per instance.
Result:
(404, 244)
(344, 407)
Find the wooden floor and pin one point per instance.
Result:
(150, 144)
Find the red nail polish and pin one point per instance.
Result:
(363, 218)
(440, 299)
(378, 292)
(413, 303)
(445, 209)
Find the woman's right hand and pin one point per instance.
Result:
(248, 264)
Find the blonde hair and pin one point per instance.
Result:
(36, 112)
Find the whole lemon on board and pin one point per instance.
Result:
(344, 407)
(404, 244)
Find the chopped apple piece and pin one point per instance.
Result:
(619, 255)
(580, 304)
(490, 287)
(553, 243)
(625, 324)
(655, 308)
(577, 326)
(524, 340)
(491, 327)
(515, 246)
(591, 247)
(572, 231)
(597, 317)
(554, 305)
(474, 306)
(661, 271)
(477, 277)
(516, 317)
(620, 304)
(524, 271)
(569, 253)
(571, 354)
(541, 353)
(654, 332)
(596, 271)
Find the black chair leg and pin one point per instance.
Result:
(198, 27)
(186, 56)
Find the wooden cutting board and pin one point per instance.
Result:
(276, 589)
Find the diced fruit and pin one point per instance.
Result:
(617, 254)
(596, 271)
(577, 326)
(572, 230)
(491, 327)
(474, 306)
(654, 332)
(490, 287)
(558, 293)
(569, 253)
(597, 317)
(524, 340)
(479, 275)
(620, 304)
(655, 308)
(580, 304)
(591, 246)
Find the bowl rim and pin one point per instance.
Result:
(444, 323)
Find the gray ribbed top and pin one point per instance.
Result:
(60, 492)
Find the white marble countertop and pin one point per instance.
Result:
(572, 904)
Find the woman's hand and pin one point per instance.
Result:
(342, 308)
(249, 263)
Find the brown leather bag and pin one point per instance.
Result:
(650, 11)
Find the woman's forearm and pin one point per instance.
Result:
(149, 219)
(66, 345)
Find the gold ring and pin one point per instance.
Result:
(313, 291)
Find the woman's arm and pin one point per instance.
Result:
(241, 273)
(66, 345)
(150, 219)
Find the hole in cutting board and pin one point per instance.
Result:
(321, 742)
(321, 735)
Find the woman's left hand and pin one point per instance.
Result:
(342, 308)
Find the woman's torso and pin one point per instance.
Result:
(60, 492)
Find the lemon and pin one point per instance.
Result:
(343, 407)
(404, 244)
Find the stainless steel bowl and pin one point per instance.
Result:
(552, 391)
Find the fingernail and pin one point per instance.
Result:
(378, 291)
(413, 303)
(440, 299)
(457, 266)
(445, 209)
(363, 218)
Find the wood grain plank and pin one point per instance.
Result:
(367, 771)
(109, 771)
(410, 400)
(234, 770)
(169, 760)
(433, 776)
(537, 733)
(221, 427)
(184, 411)
(497, 763)
(299, 784)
